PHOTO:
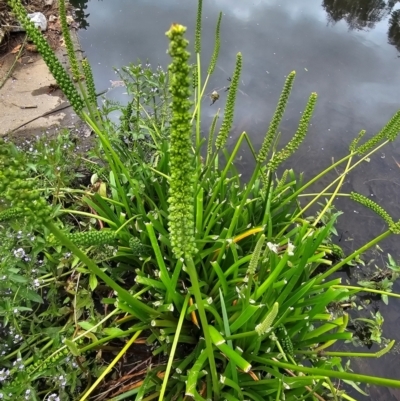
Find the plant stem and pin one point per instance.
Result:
(200, 96)
(110, 366)
(191, 269)
(329, 203)
(377, 354)
(173, 348)
(380, 381)
(364, 289)
(331, 167)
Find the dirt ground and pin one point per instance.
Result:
(30, 101)
(8, 23)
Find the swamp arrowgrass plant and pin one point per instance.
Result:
(232, 280)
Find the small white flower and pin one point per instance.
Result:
(62, 381)
(273, 247)
(290, 248)
(19, 253)
(4, 374)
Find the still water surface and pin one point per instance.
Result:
(348, 51)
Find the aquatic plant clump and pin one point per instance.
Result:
(231, 281)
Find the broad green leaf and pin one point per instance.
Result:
(113, 331)
(93, 281)
(86, 325)
(33, 296)
(75, 351)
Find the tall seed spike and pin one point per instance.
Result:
(68, 41)
(195, 76)
(197, 41)
(370, 204)
(389, 131)
(94, 237)
(283, 179)
(298, 137)
(395, 228)
(265, 326)
(181, 192)
(354, 142)
(90, 86)
(230, 105)
(277, 117)
(256, 256)
(217, 46)
(394, 129)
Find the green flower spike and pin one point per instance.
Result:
(251, 270)
(91, 89)
(138, 249)
(94, 237)
(298, 138)
(181, 199)
(17, 192)
(395, 228)
(389, 131)
(11, 213)
(265, 326)
(277, 118)
(195, 76)
(282, 181)
(354, 142)
(217, 46)
(285, 340)
(394, 128)
(197, 40)
(68, 41)
(230, 105)
(373, 206)
(54, 65)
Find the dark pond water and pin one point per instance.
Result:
(348, 51)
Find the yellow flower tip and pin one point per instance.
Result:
(176, 28)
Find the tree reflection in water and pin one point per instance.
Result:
(394, 29)
(80, 7)
(365, 14)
